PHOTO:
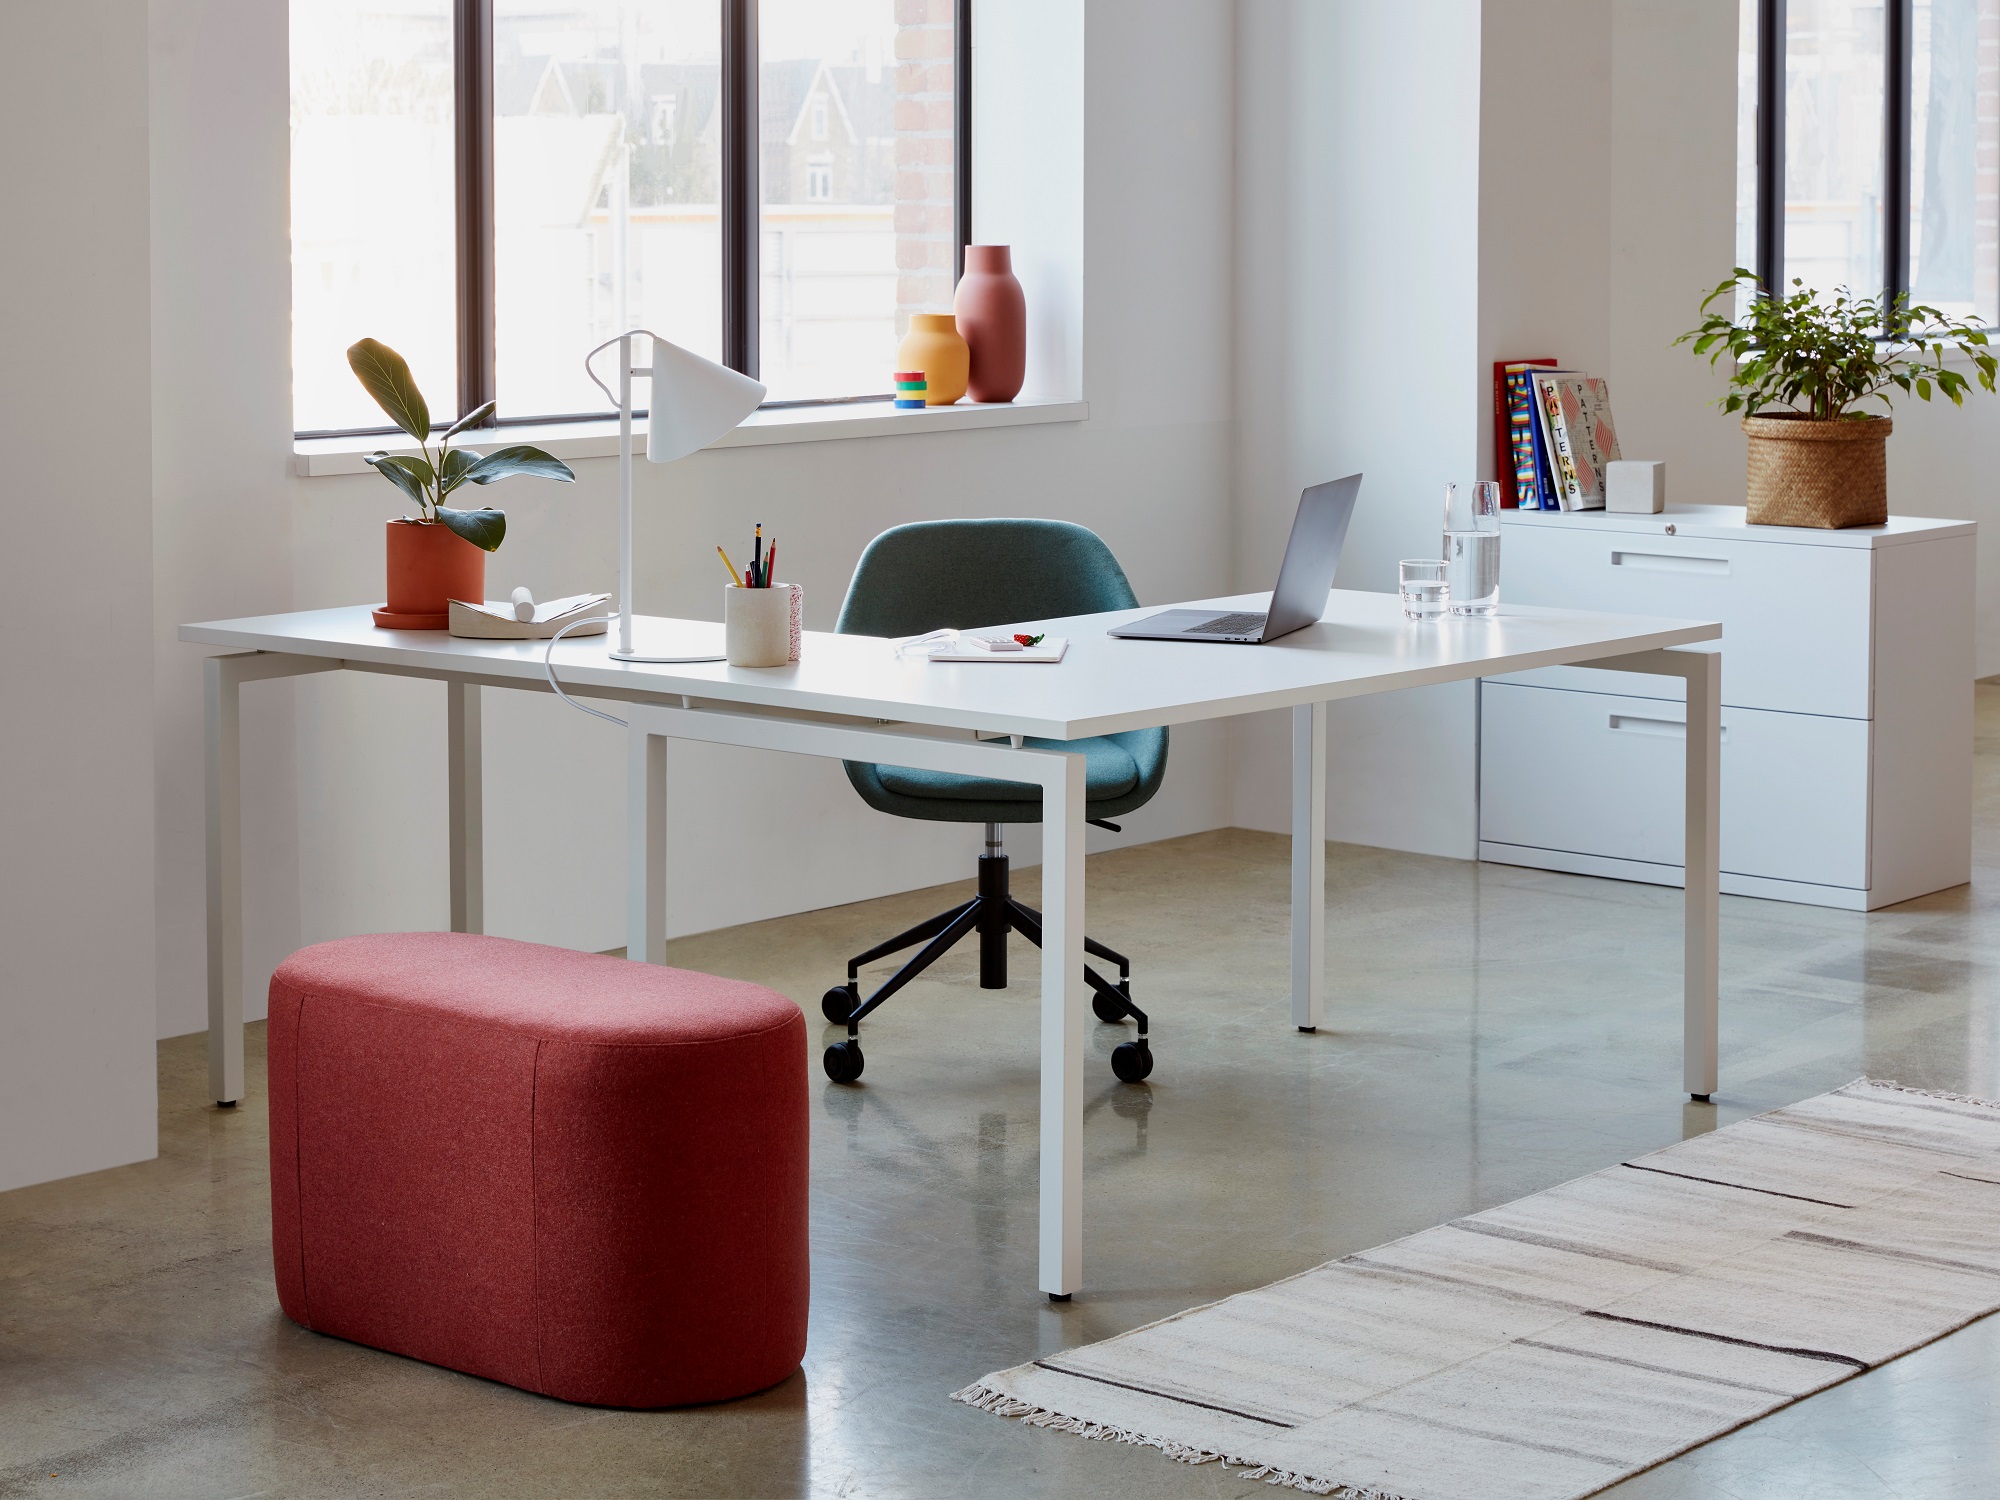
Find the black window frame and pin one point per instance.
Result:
(741, 210)
(1898, 60)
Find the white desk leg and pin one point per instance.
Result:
(646, 847)
(1308, 865)
(467, 809)
(1062, 1031)
(223, 765)
(1700, 960)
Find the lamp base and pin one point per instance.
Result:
(663, 642)
(678, 661)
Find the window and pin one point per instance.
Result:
(494, 186)
(1869, 151)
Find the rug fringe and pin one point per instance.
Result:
(985, 1398)
(1890, 1083)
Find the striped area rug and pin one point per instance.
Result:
(1548, 1348)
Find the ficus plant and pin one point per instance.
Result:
(1821, 357)
(431, 479)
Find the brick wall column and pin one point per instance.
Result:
(925, 158)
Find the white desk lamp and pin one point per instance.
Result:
(694, 402)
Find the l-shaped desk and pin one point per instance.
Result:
(852, 697)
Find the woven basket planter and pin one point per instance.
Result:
(1809, 472)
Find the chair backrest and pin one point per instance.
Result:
(930, 575)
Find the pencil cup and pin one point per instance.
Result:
(760, 627)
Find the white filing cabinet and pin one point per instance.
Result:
(1846, 717)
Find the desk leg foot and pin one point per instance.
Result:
(225, 1104)
(1308, 1030)
(1059, 1296)
(1700, 1098)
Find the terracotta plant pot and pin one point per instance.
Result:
(933, 346)
(993, 320)
(1807, 471)
(428, 566)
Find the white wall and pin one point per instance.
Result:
(1358, 291)
(1672, 235)
(77, 1086)
(221, 460)
(1095, 198)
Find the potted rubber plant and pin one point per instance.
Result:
(439, 554)
(1803, 365)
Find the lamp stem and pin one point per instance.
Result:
(625, 495)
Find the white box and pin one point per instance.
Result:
(1636, 486)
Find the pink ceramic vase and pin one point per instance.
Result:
(993, 321)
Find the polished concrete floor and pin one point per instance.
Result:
(1494, 1031)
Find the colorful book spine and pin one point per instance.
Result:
(1517, 460)
(1558, 403)
(1538, 437)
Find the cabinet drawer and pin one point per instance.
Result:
(1795, 618)
(1593, 773)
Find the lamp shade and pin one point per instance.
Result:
(694, 402)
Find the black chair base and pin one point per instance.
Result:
(993, 914)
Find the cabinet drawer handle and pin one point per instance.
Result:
(1673, 729)
(1667, 562)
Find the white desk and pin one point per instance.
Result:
(851, 698)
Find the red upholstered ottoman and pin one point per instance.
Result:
(580, 1176)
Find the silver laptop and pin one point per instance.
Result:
(1318, 531)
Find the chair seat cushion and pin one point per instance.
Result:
(1108, 771)
(574, 1174)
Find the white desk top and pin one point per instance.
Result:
(1726, 523)
(1361, 645)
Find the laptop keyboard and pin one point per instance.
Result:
(1227, 625)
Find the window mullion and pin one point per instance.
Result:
(473, 121)
(1897, 59)
(1770, 267)
(739, 208)
(961, 81)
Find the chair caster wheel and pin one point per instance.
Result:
(1131, 1061)
(1109, 1011)
(843, 1062)
(838, 1003)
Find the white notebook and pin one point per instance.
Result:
(967, 648)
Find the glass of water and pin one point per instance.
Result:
(1472, 547)
(1420, 581)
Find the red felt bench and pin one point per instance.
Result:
(574, 1174)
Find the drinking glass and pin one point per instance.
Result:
(1421, 583)
(1472, 547)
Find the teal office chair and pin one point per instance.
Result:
(966, 575)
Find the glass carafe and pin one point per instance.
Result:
(1472, 547)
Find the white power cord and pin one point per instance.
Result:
(549, 666)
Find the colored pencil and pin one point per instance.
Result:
(727, 566)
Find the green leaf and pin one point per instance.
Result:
(1923, 388)
(451, 473)
(406, 472)
(505, 463)
(471, 419)
(385, 375)
(485, 529)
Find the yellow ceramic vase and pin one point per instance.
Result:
(933, 346)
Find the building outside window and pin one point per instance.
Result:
(1869, 148)
(607, 123)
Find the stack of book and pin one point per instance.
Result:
(1554, 435)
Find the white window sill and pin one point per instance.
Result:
(792, 424)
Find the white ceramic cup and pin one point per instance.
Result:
(757, 625)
